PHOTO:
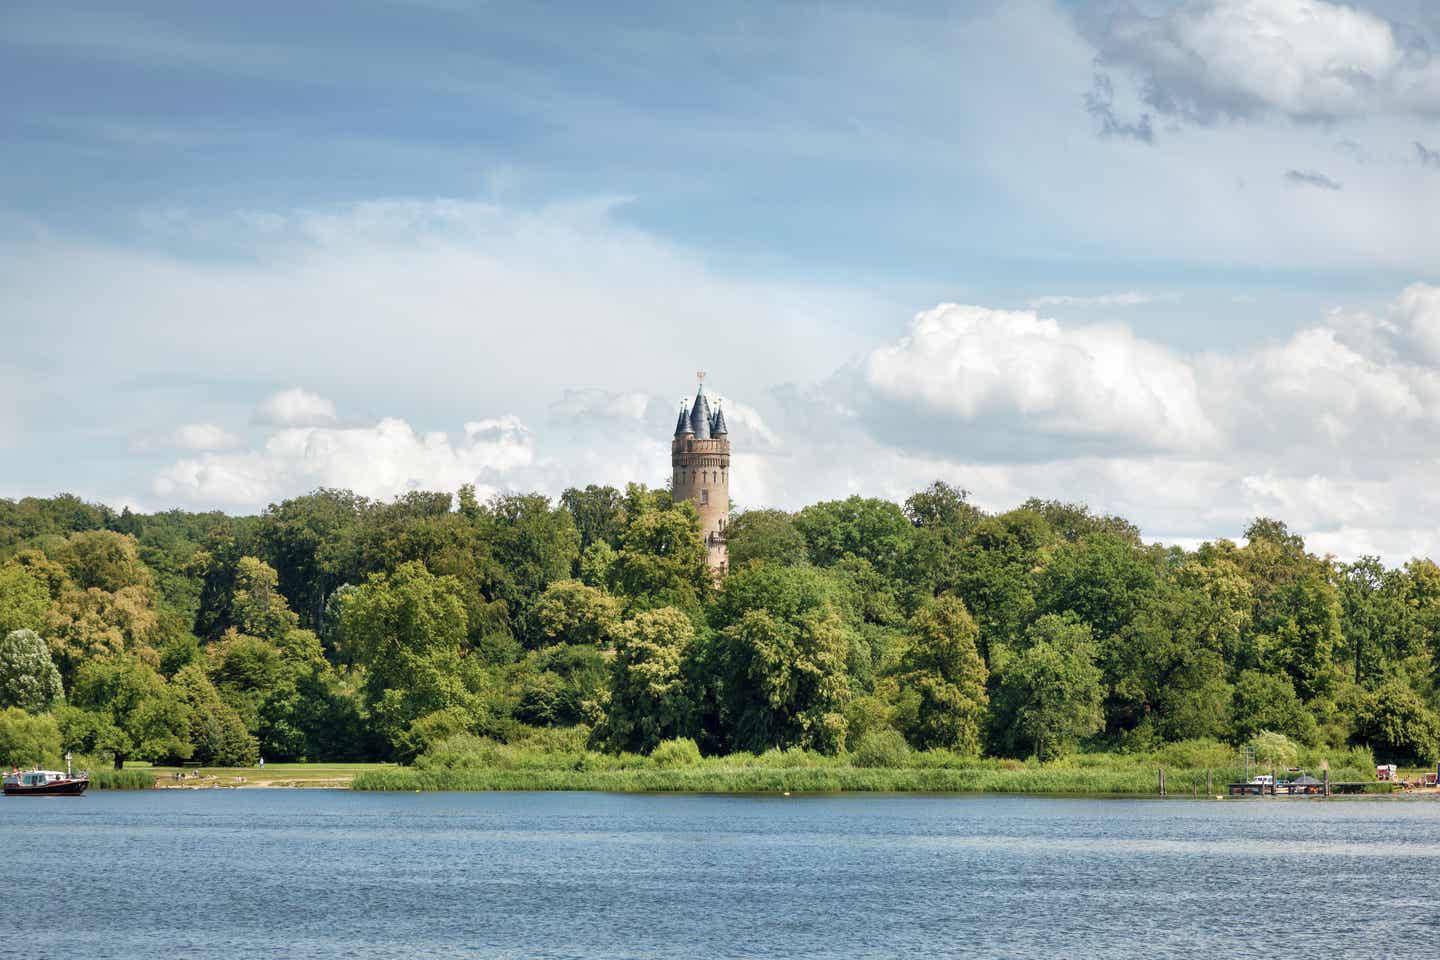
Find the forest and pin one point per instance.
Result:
(332, 627)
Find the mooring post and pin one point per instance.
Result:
(1325, 790)
(1209, 788)
(1161, 774)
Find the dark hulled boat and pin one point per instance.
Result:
(45, 783)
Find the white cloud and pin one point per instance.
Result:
(380, 461)
(973, 363)
(1304, 59)
(295, 407)
(581, 405)
(204, 436)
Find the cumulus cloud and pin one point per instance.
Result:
(205, 436)
(1334, 428)
(1095, 385)
(382, 461)
(1309, 178)
(295, 407)
(1206, 60)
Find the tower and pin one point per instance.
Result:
(700, 465)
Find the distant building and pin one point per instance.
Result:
(700, 461)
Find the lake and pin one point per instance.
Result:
(369, 875)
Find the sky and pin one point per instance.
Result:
(1174, 259)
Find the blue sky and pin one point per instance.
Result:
(247, 250)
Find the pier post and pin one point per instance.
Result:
(1325, 790)
(1162, 781)
(1209, 789)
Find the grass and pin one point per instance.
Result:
(707, 778)
(471, 763)
(329, 775)
(106, 778)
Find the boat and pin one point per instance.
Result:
(45, 783)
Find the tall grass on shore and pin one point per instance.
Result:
(105, 778)
(472, 763)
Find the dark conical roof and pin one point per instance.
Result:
(717, 423)
(700, 415)
(682, 426)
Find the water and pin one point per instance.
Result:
(364, 875)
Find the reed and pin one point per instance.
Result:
(110, 779)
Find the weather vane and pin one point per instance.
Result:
(700, 375)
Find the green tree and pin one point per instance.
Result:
(649, 701)
(944, 668)
(1105, 580)
(534, 544)
(27, 740)
(257, 605)
(598, 512)
(661, 561)
(103, 560)
(995, 574)
(407, 630)
(305, 540)
(764, 536)
(28, 678)
(1050, 693)
(23, 600)
(877, 530)
(570, 612)
(1395, 723)
(216, 732)
(136, 714)
(1167, 668)
(1267, 701)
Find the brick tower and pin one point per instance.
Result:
(700, 460)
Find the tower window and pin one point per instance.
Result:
(704, 498)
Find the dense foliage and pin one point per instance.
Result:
(332, 627)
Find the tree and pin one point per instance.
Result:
(994, 574)
(406, 629)
(93, 624)
(944, 667)
(1376, 622)
(1167, 667)
(1051, 691)
(304, 539)
(216, 732)
(764, 536)
(135, 713)
(877, 530)
(1267, 701)
(1105, 580)
(534, 545)
(943, 519)
(23, 600)
(662, 556)
(27, 740)
(570, 612)
(598, 513)
(28, 678)
(648, 698)
(103, 560)
(1396, 725)
(257, 605)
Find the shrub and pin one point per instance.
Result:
(682, 752)
(1274, 749)
(881, 748)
